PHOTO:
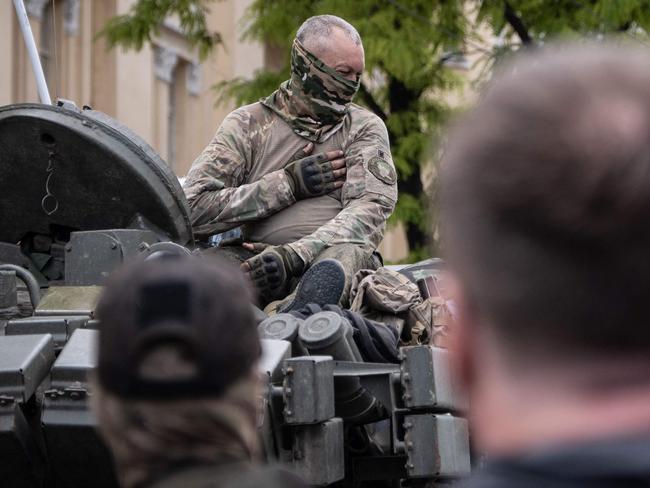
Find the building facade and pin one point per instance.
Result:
(162, 92)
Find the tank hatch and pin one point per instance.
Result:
(64, 168)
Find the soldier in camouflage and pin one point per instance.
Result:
(305, 173)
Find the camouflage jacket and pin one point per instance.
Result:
(239, 180)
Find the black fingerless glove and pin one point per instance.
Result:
(272, 270)
(311, 176)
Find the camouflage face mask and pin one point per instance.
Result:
(316, 98)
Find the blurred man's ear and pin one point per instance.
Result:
(463, 339)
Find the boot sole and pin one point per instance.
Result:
(322, 284)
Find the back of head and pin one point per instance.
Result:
(175, 327)
(176, 382)
(546, 204)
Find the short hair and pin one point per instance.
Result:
(546, 204)
(317, 30)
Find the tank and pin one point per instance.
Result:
(80, 195)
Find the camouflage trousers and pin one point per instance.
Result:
(353, 258)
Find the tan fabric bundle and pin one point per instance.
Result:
(390, 297)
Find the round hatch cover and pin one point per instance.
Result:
(64, 168)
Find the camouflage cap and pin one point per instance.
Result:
(198, 309)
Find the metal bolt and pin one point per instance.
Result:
(113, 245)
(410, 466)
(406, 377)
(287, 412)
(143, 246)
(409, 446)
(408, 425)
(289, 370)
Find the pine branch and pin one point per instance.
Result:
(517, 24)
(143, 21)
(367, 97)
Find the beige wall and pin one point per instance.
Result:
(7, 17)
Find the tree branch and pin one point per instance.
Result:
(517, 24)
(624, 27)
(371, 102)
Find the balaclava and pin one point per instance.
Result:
(315, 99)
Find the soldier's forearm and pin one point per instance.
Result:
(203, 208)
(362, 223)
(223, 209)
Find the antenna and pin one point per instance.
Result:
(56, 56)
(41, 84)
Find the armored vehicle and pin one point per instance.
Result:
(80, 195)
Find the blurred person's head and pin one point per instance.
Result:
(176, 380)
(546, 212)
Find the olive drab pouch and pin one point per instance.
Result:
(389, 294)
(427, 323)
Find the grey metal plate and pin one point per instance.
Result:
(93, 254)
(69, 300)
(427, 380)
(24, 363)
(61, 328)
(23, 462)
(79, 356)
(308, 389)
(77, 455)
(82, 171)
(437, 446)
(274, 353)
(318, 452)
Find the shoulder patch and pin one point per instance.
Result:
(382, 170)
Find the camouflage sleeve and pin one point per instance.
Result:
(368, 195)
(216, 188)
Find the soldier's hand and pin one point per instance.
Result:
(271, 270)
(256, 247)
(303, 152)
(317, 174)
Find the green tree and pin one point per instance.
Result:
(406, 43)
(143, 21)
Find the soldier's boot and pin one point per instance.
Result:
(329, 278)
(322, 284)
